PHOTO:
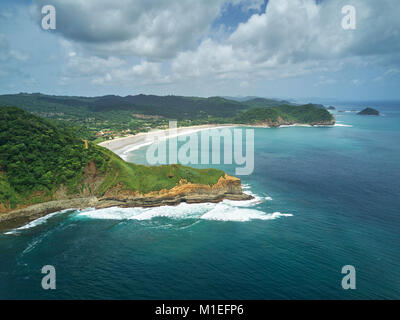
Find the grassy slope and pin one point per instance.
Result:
(152, 178)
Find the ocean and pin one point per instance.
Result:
(325, 197)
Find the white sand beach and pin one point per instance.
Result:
(122, 146)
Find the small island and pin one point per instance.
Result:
(331, 108)
(369, 112)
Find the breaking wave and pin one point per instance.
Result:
(343, 125)
(37, 222)
(226, 210)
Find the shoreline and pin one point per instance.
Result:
(122, 146)
(21, 217)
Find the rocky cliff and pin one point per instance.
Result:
(227, 187)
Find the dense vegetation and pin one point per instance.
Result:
(100, 118)
(134, 113)
(36, 155)
(306, 114)
(38, 158)
(263, 102)
(129, 114)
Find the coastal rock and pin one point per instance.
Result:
(369, 112)
(20, 216)
(227, 187)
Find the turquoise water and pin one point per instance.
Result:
(325, 198)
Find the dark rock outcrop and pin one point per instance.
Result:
(369, 112)
(227, 187)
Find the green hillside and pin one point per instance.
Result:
(101, 118)
(133, 114)
(263, 102)
(41, 161)
(172, 107)
(306, 114)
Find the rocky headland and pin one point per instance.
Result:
(227, 187)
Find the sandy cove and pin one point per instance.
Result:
(121, 146)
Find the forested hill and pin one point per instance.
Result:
(40, 161)
(259, 102)
(286, 115)
(101, 118)
(174, 107)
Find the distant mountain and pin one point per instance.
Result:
(240, 99)
(253, 101)
(174, 107)
(105, 117)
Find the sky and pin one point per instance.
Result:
(292, 49)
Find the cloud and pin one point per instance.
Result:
(147, 42)
(151, 29)
(295, 37)
(323, 81)
(6, 14)
(7, 53)
(357, 82)
(140, 74)
(391, 73)
(91, 66)
(154, 29)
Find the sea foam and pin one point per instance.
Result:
(37, 222)
(343, 125)
(227, 210)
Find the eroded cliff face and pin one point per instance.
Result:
(227, 187)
